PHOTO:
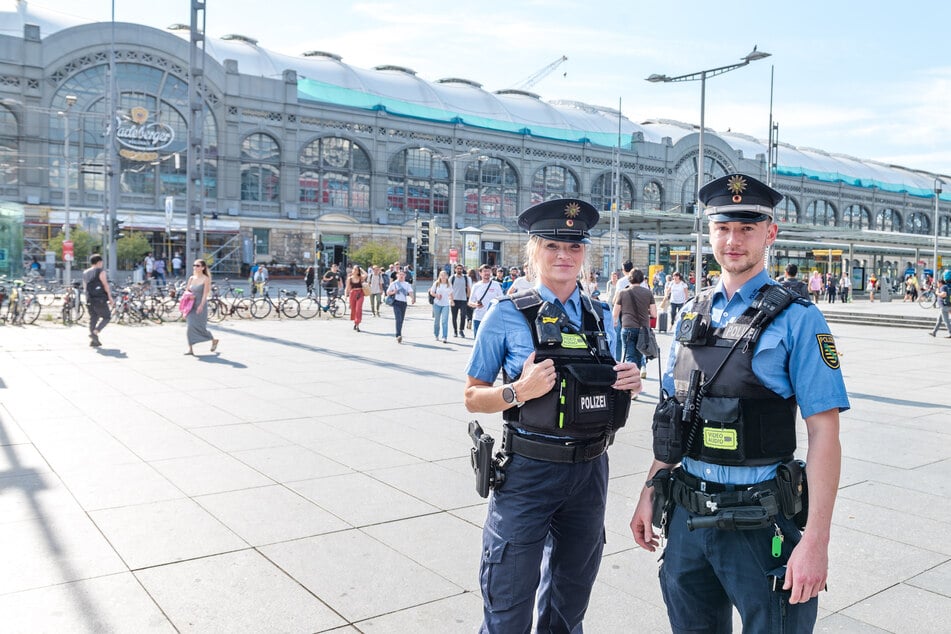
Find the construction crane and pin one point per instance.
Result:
(541, 74)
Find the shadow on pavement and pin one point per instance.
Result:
(896, 401)
(217, 359)
(109, 352)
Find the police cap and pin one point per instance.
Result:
(738, 198)
(562, 219)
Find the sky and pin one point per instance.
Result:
(868, 79)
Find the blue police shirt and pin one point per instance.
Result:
(504, 338)
(789, 360)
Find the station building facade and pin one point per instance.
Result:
(308, 147)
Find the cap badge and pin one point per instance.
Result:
(569, 222)
(737, 185)
(572, 210)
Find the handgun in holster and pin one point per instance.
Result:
(489, 470)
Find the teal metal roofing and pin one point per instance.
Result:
(326, 78)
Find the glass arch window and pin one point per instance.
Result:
(820, 213)
(602, 192)
(917, 222)
(146, 176)
(888, 220)
(260, 168)
(857, 217)
(335, 173)
(944, 225)
(491, 189)
(787, 210)
(9, 155)
(417, 180)
(554, 181)
(654, 195)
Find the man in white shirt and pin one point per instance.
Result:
(483, 292)
(521, 283)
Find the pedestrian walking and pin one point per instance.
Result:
(634, 308)
(730, 500)
(461, 288)
(544, 532)
(402, 292)
(199, 284)
(483, 292)
(354, 293)
(441, 292)
(98, 298)
(944, 301)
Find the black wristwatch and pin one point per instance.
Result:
(509, 395)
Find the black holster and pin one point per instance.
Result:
(489, 470)
(663, 501)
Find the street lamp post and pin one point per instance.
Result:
(702, 76)
(453, 158)
(70, 102)
(934, 261)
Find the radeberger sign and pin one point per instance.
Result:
(142, 138)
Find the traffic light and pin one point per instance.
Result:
(115, 234)
(424, 246)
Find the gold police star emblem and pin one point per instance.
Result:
(572, 210)
(736, 184)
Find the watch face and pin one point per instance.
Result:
(508, 394)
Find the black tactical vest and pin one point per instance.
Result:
(582, 404)
(740, 421)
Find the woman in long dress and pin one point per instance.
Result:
(200, 285)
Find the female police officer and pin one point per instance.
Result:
(563, 398)
(746, 353)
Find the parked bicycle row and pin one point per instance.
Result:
(24, 303)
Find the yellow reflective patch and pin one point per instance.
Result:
(716, 438)
(569, 340)
(828, 352)
(549, 320)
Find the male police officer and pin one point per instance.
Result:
(563, 397)
(746, 352)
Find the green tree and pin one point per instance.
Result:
(84, 245)
(130, 249)
(374, 253)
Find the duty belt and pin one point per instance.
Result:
(706, 498)
(554, 450)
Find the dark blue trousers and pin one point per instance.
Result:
(707, 571)
(544, 511)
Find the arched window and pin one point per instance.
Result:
(553, 181)
(821, 213)
(152, 124)
(418, 181)
(602, 192)
(654, 195)
(260, 168)
(335, 172)
(491, 188)
(944, 225)
(917, 222)
(857, 217)
(787, 210)
(888, 220)
(9, 157)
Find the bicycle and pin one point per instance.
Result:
(73, 310)
(22, 306)
(310, 305)
(287, 304)
(218, 308)
(928, 298)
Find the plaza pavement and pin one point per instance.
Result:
(308, 478)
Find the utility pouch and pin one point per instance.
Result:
(667, 430)
(793, 492)
(662, 500)
(589, 398)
